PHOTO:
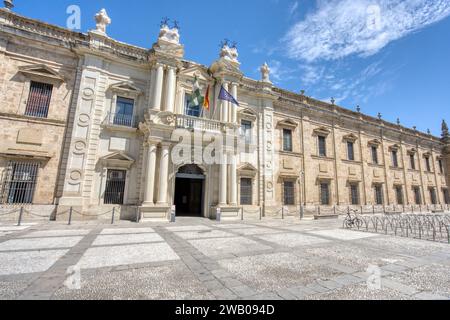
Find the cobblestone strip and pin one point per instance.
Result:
(218, 281)
(50, 281)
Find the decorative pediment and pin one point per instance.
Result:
(350, 137)
(427, 154)
(117, 159)
(127, 88)
(41, 70)
(394, 147)
(247, 169)
(374, 143)
(195, 71)
(412, 151)
(247, 114)
(287, 123)
(322, 131)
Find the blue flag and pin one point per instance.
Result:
(225, 95)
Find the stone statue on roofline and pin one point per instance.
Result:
(265, 73)
(445, 133)
(102, 20)
(229, 52)
(168, 34)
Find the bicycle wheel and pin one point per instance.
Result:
(348, 224)
(358, 223)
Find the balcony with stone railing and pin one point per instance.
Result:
(201, 124)
(121, 122)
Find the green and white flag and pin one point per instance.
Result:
(196, 99)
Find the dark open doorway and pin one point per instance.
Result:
(189, 187)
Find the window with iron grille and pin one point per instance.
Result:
(412, 160)
(124, 112)
(354, 194)
(427, 164)
(433, 197)
(395, 158)
(322, 146)
(441, 166)
(399, 194)
(115, 186)
(246, 131)
(287, 140)
(351, 150)
(417, 196)
(324, 194)
(446, 196)
(379, 195)
(39, 99)
(289, 196)
(19, 182)
(190, 109)
(246, 191)
(374, 155)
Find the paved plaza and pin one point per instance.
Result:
(202, 259)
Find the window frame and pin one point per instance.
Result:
(354, 194)
(351, 150)
(36, 88)
(399, 197)
(379, 195)
(288, 197)
(417, 195)
(322, 146)
(325, 186)
(412, 161)
(394, 156)
(374, 151)
(20, 181)
(288, 144)
(246, 196)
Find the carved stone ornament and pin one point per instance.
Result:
(168, 34)
(265, 73)
(102, 20)
(230, 54)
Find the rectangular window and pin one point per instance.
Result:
(325, 194)
(124, 112)
(399, 194)
(417, 196)
(191, 109)
(246, 191)
(246, 131)
(374, 155)
(351, 151)
(354, 194)
(20, 182)
(115, 186)
(379, 195)
(322, 146)
(289, 196)
(427, 164)
(39, 99)
(394, 158)
(446, 196)
(433, 197)
(441, 166)
(287, 140)
(412, 161)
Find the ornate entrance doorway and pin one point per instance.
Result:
(189, 191)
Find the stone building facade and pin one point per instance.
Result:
(119, 114)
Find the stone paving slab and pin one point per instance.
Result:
(56, 233)
(28, 262)
(40, 243)
(342, 234)
(217, 247)
(126, 231)
(188, 228)
(204, 234)
(108, 240)
(101, 257)
(292, 240)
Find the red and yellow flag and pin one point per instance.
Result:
(206, 100)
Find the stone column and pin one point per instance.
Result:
(158, 86)
(225, 104)
(163, 174)
(150, 175)
(233, 180)
(233, 113)
(170, 89)
(223, 181)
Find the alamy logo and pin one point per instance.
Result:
(73, 281)
(373, 18)
(374, 279)
(74, 19)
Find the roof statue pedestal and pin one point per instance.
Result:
(102, 21)
(228, 63)
(169, 42)
(9, 5)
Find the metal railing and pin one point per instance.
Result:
(120, 120)
(194, 123)
(418, 226)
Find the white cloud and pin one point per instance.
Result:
(293, 8)
(340, 28)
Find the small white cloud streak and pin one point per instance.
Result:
(340, 28)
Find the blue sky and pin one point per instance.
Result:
(388, 56)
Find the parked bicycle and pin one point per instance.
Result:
(352, 220)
